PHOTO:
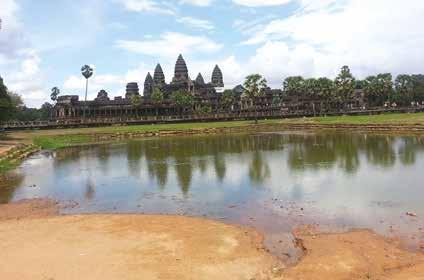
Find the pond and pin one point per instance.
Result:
(271, 181)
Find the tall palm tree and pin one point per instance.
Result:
(87, 72)
(55, 93)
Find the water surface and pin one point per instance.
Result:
(272, 181)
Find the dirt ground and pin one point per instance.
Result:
(36, 243)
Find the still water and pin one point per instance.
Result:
(272, 181)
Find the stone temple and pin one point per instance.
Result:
(204, 93)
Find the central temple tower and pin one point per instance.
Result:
(181, 71)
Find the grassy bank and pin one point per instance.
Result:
(59, 138)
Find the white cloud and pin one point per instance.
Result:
(259, 3)
(202, 3)
(367, 35)
(170, 44)
(146, 6)
(196, 23)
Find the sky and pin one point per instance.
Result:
(45, 43)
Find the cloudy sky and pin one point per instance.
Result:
(44, 43)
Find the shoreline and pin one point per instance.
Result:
(237, 251)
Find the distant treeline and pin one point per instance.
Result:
(377, 89)
(12, 107)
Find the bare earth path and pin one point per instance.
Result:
(36, 243)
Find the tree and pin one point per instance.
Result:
(404, 87)
(255, 86)
(6, 106)
(182, 99)
(45, 111)
(345, 85)
(294, 86)
(227, 100)
(326, 91)
(87, 72)
(378, 88)
(136, 102)
(157, 98)
(55, 93)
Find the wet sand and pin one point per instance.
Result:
(36, 243)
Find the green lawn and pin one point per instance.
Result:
(417, 118)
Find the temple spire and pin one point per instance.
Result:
(217, 79)
(200, 80)
(148, 85)
(158, 76)
(181, 71)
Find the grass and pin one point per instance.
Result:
(6, 165)
(417, 118)
(59, 138)
(60, 141)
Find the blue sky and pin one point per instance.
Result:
(44, 43)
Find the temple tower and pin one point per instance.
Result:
(199, 80)
(132, 89)
(217, 79)
(158, 76)
(148, 85)
(181, 71)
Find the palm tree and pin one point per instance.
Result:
(87, 72)
(55, 93)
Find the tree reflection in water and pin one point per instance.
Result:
(302, 151)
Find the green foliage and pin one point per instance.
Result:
(255, 86)
(227, 99)
(311, 88)
(378, 88)
(404, 86)
(157, 96)
(182, 98)
(6, 105)
(326, 89)
(204, 109)
(136, 100)
(345, 85)
(294, 86)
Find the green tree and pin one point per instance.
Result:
(46, 111)
(418, 81)
(227, 100)
(136, 102)
(345, 85)
(255, 86)
(326, 91)
(183, 100)
(378, 89)
(157, 98)
(6, 106)
(294, 86)
(404, 86)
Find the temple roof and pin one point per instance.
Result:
(149, 79)
(158, 76)
(200, 80)
(217, 79)
(181, 71)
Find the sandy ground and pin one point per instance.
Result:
(36, 243)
